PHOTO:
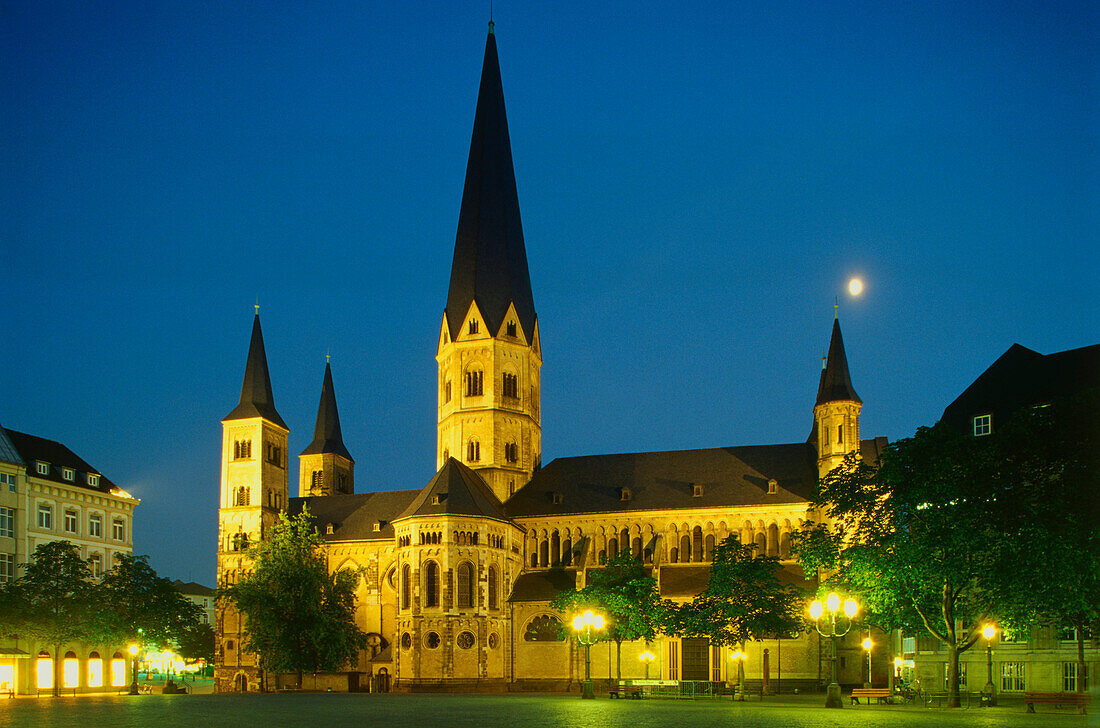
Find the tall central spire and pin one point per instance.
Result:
(256, 398)
(490, 261)
(836, 382)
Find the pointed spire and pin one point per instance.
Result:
(256, 397)
(836, 382)
(326, 433)
(490, 260)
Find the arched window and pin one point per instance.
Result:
(785, 545)
(318, 479)
(474, 383)
(567, 552)
(773, 540)
(510, 388)
(431, 584)
(534, 559)
(241, 496)
(95, 670)
(511, 452)
(697, 544)
(636, 548)
(544, 553)
(465, 585)
(761, 543)
(493, 588)
(544, 628)
(709, 545)
(555, 549)
(685, 548)
(406, 586)
(603, 557)
(473, 451)
(612, 547)
(673, 555)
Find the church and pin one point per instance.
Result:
(458, 575)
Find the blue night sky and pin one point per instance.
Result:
(698, 181)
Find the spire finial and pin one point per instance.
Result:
(823, 360)
(836, 307)
(257, 305)
(328, 357)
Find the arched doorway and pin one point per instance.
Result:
(240, 683)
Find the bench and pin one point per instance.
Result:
(880, 694)
(625, 688)
(1075, 700)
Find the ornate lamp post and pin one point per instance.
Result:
(134, 669)
(990, 697)
(584, 625)
(868, 645)
(647, 657)
(832, 631)
(740, 656)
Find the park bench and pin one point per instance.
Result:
(625, 689)
(880, 694)
(1074, 700)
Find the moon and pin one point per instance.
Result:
(855, 286)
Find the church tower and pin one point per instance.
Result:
(326, 466)
(488, 351)
(836, 413)
(253, 491)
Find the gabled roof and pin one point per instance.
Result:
(1024, 378)
(836, 382)
(728, 476)
(256, 397)
(33, 448)
(192, 588)
(490, 260)
(326, 433)
(353, 516)
(458, 491)
(8, 453)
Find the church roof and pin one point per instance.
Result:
(542, 586)
(256, 397)
(836, 382)
(727, 476)
(32, 448)
(326, 433)
(8, 453)
(354, 516)
(455, 490)
(490, 260)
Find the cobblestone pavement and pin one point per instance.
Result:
(489, 711)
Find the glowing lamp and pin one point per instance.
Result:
(989, 631)
(867, 643)
(832, 602)
(850, 608)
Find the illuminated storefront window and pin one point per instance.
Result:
(7, 678)
(45, 670)
(95, 671)
(118, 670)
(70, 671)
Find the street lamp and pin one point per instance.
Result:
(647, 657)
(830, 630)
(584, 625)
(895, 676)
(867, 645)
(133, 672)
(740, 656)
(990, 697)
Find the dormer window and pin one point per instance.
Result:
(42, 468)
(473, 327)
(68, 474)
(697, 490)
(378, 526)
(557, 498)
(625, 494)
(437, 499)
(772, 484)
(93, 480)
(511, 328)
(983, 425)
(330, 528)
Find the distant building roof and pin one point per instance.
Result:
(33, 448)
(1022, 378)
(354, 517)
(193, 589)
(455, 490)
(8, 453)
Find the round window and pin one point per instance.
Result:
(432, 640)
(493, 641)
(406, 641)
(465, 640)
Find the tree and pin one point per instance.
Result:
(299, 616)
(627, 597)
(744, 599)
(138, 606)
(52, 602)
(919, 535)
(197, 643)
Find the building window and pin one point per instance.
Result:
(432, 640)
(318, 479)
(511, 452)
(544, 628)
(7, 522)
(1069, 677)
(45, 516)
(447, 391)
(95, 670)
(68, 474)
(93, 480)
(431, 584)
(1012, 676)
(673, 661)
(473, 451)
(511, 330)
(473, 383)
(473, 328)
(69, 522)
(624, 494)
(465, 640)
(9, 480)
(274, 454)
(406, 641)
(242, 449)
(241, 496)
(511, 386)
(43, 468)
(465, 585)
(697, 491)
(7, 567)
(118, 530)
(983, 425)
(95, 561)
(406, 586)
(772, 485)
(492, 587)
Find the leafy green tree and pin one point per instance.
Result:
(138, 606)
(744, 599)
(52, 602)
(197, 643)
(919, 536)
(299, 616)
(628, 598)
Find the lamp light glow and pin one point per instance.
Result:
(833, 602)
(989, 631)
(815, 609)
(850, 608)
(867, 643)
